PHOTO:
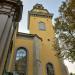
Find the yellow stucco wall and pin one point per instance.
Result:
(28, 44)
(47, 52)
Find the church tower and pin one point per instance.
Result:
(40, 23)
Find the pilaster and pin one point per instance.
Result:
(10, 13)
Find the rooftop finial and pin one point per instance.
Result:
(38, 6)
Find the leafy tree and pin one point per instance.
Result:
(72, 74)
(65, 31)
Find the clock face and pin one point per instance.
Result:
(42, 26)
(21, 53)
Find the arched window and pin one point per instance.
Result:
(21, 61)
(42, 26)
(50, 69)
(21, 53)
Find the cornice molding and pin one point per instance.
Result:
(41, 14)
(19, 34)
(13, 4)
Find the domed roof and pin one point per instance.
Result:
(39, 10)
(38, 6)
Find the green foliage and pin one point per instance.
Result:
(65, 32)
(72, 74)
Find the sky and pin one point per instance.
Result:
(52, 6)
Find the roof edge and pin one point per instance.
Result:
(28, 35)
